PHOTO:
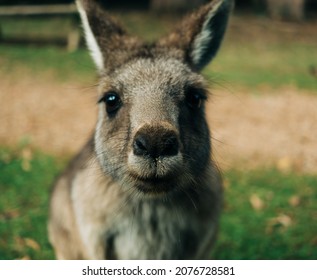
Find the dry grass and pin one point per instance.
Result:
(54, 117)
(271, 129)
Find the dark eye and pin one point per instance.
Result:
(113, 102)
(195, 98)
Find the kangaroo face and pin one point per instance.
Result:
(151, 133)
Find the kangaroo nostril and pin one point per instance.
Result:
(170, 147)
(140, 146)
(156, 143)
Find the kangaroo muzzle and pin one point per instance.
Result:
(155, 158)
(156, 142)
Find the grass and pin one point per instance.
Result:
(62, 65)
(40, 26)
(243, 61)
(276, 65)
(283, 225)
(268, 215)
(25, 180)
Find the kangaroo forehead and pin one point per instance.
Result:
(155, 73)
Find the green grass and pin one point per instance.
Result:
(279, 228)
(63, 65)
(34, 27)
(148, 25)
(233, 66)
(246, 62)
(245, 233)
(25, 180)
(273, 65)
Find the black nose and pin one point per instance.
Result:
(155, 142)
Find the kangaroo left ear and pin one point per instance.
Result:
(200, 35)
(106, 39)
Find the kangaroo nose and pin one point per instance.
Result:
(155, 143)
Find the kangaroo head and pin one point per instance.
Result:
(152, 134)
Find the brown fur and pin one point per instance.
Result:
(144, 187)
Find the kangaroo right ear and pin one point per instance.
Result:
(103, 35)
(200, 35)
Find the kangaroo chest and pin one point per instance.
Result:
(122, 228)
(152, 233)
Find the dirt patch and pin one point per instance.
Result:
(273, 128)
(270, 128)
(57, 118)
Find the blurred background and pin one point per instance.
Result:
(289, 9)
(262, 113)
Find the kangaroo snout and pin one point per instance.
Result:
(155, 142)
(155, 159)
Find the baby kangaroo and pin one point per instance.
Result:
(144, 186)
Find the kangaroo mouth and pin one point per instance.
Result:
(154, 184)
(150, 175)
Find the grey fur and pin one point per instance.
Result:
(144, 187)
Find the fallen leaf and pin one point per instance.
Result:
(256, 202)
(21, 243)
(285, 164)
(25, 258)
(27, 154)
(294, 201)
(10, 214)
(32, 244)
(282, 221)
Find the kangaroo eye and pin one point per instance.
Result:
(195, 98)
(113, 102)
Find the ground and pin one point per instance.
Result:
(270, 129)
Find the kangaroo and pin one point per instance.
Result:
(145, 185)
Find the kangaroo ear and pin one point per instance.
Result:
(103, 35)
(200, 35)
